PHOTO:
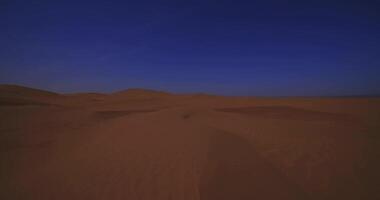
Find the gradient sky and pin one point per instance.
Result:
(222, 47)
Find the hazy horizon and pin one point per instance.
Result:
(263, 48)
(191, 92)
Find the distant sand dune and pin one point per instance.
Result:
(15, 90)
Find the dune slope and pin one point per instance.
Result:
(141, 144)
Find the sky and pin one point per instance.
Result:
(259, 48)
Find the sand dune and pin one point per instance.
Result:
(15, 90)
(19, 95)
(142, 144)
(285, 112)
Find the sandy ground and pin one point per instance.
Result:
(147, 145)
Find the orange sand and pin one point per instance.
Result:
(148, 145)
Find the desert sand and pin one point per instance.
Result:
(148, 145)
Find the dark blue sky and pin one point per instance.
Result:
(223, 47)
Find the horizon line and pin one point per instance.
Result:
(197, 93)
